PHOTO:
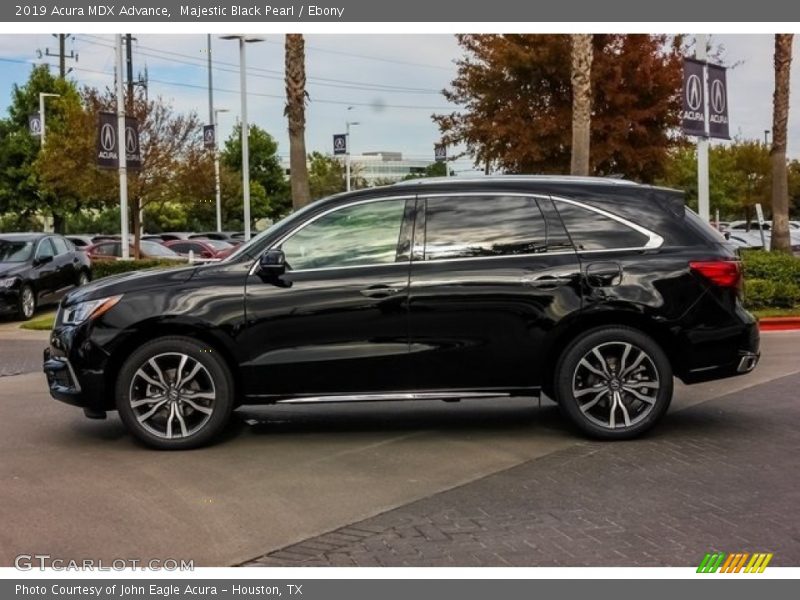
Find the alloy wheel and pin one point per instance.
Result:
(616, 385)
(28, 302)
(172, 395)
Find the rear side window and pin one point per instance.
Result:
(475, 226)
(591, 230)
(45, 249)
(60, 245)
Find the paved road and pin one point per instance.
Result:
(76, 488)
(20, 349)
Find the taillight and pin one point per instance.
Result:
(724, 273)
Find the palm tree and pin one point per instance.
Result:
(296, 113)
(780, 117)
(581, 102)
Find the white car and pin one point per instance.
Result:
(752, 239)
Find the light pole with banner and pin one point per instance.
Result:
(122, 161)
(348, 124)
(244, 39)
(440, 155)
(42, 126)
(704, 113)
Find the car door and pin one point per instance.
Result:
(335, 322)
(491, 276)
(45, 271)
(66, 265)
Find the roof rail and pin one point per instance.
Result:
(519, 178)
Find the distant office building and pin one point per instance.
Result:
(377, 168)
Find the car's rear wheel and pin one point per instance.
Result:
(175, 393)
(614, 382)
(27, 302)
(83, 278)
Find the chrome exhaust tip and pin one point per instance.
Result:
(747, 363)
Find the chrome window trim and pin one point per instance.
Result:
(654, 241)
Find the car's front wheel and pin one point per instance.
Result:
(175, 393)
(27, 302)
(614, 382)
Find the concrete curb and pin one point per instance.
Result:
(779, 323)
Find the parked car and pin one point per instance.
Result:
(81, 242)
(224, 236)
(38, 269)
(595, 291)
(752, 239)
(201, 248)
(112, 250)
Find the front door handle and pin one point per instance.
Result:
(546, 282)
(380, 291)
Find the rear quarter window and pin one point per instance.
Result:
(591, 230)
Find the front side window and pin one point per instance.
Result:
(45, 249)
(475, 226)
(591, 230)
(357, 235)
(60, 245)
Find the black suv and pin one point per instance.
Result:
(596, 291)
(38, 269)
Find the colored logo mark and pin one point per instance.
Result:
(737, 562)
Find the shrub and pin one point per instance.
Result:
(771, 266)
(764, 293)
(104, 268)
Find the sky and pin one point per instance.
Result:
(392, 82)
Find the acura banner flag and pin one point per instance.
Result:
(717, 103)
(693, 114)
(699, 90)
(107, 146)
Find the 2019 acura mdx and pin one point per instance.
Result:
(596, 291)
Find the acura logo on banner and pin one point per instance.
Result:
(440, 152)
(693, 114)
(717, 103)
(340, 143)
(208, 137)
(107, 141)
(35, 124)
(107, 146)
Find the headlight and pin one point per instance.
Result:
(91, 309)
(7, 282)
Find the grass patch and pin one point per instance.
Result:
(763, 313)
(41, 323)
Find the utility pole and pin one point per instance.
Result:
(62, 54)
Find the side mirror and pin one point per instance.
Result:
(272, 262)
(727, 235)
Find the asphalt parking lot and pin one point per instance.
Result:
(490, 482)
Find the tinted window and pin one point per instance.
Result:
(461, 227)
(590, 230)
(154, 249)
(45, 249)
(60, 245)
(182, 248)
(364, 234)
(107, 249)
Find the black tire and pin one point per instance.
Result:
(84, 277)
(194, 428)
(26, 307)
(589, 392)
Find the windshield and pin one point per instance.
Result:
(247, 247)
(15, 251)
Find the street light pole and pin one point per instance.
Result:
(347, 145)
(42, 96)
(216, 166)
(245, 126)
(700, 53)
(122, 158)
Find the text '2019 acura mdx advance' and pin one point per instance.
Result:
(595, 291)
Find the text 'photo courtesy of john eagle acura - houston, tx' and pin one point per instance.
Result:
(596, 292)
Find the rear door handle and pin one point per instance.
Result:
(546, 281)
(381, 291)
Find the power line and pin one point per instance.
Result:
(256, 71)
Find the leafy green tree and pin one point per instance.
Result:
(436, 169)
(21, 189)
(326, 175)
(273, 199)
